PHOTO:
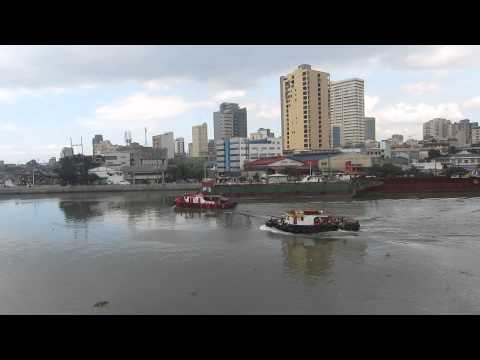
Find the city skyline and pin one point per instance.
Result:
(51, 93)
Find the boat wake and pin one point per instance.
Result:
(273, 230)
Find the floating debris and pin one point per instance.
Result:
(101, 304)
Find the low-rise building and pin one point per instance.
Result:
(423, 154)
(476, 136)
(109, 175)
(348, 162)
(140, 164)
(464, 159)
(277, 164)
(428, 166)
(117, 159)
(266, 147)
(232, 154)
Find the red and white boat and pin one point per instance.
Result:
(203, 201)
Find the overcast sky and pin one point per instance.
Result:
(49, 93)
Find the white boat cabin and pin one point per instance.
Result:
(306, 217)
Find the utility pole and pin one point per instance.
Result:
(146, 136)
(72, 145)
(329, 169)
(33, 177)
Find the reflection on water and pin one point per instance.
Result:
(132, 204)
(311, 257)
(308, 257)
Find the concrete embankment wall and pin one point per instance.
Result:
(57, 189)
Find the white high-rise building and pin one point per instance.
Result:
(165, 141)
(180, 146)
(438, 129)
(347, 111)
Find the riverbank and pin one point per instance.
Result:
(58, 189)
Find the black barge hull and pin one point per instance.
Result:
(313, 229)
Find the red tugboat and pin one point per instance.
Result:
(203, 199)
(312, 221)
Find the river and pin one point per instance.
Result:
(62, 254)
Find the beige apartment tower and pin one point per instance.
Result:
(305, 97)
(200, 141)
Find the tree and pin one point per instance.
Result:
(66, 171)
(182, 169)
(73, 170)
(384, 171)
(256, 177)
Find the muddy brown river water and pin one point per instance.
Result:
(132, 254)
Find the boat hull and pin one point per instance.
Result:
(313, 229)
(183, 205)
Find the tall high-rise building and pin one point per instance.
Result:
(95, 141)
(370, 128)
(438, 129)
(189, 149)
(305, 97)
(200, 140)
(180, 146)
(462, 131)
(230, 121)
(165, 141)
(347, 110)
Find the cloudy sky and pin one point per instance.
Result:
(51, 93)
